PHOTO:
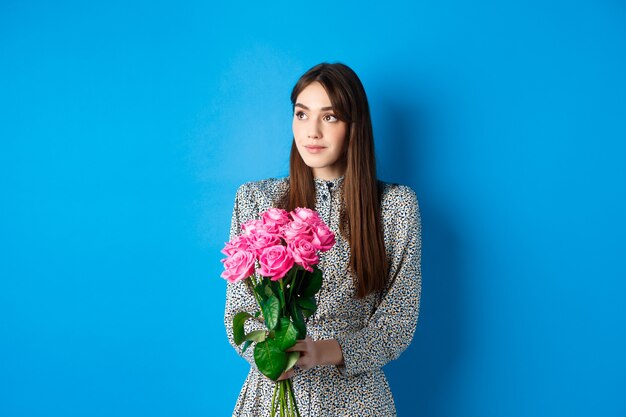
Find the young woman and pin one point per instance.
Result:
(369, 301)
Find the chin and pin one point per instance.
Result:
(313, 165)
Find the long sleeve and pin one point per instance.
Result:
(238, 296)
(390, 329)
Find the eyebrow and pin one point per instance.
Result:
(306, 108)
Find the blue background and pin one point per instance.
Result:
(126, 128)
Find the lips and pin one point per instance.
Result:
(314, 149)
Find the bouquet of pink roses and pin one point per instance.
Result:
(282, 249)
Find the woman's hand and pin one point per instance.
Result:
(286, 375)
(317, 352)
(309, 353)
(313, 353)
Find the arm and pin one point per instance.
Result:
(317, 352)
(390, 329)
(238, 296)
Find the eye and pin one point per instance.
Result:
(300, 115)
(330, 118)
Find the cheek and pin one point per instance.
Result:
(296, 128)
(339, 136)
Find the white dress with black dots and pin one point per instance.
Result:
(371, 331)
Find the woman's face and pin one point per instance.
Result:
(320, 137)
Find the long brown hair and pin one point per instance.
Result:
(360, 218)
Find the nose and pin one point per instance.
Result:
(314, 131)
(314, 135)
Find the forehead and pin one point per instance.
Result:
(314, 95)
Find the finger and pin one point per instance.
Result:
(286, 375)
(303, 362)
(304, 366)
(298, 347)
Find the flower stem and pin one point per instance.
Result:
(300, 281)
(252, 284)
(282, 297)
(282, 400)
(293, 399)
(293, 275)
(273, 412)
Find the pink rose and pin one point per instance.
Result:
(304, 253)
(241, 242)
(323, 237)
(262, 239)
(273, 228)
(252, 226)
(306, 215)
(239, 266)
(275, 217)
(297, 229)
(275, 262)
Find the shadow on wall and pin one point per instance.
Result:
(418, 379)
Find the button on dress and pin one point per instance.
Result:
(371, 331)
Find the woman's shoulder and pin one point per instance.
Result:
(265, 185)
(400, 214)
(398, 202)
(392, 192)
(265, 189)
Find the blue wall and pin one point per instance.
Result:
(125, 130)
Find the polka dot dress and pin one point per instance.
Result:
(371, 331)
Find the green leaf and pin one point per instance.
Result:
(245, 346)
(260, 290)
(298, 321)
(267, 289)
(238, 322)
(313, 284)
(307, 303)
(292, 358)
(271, 310)
(286, 334)
(256, 336)
(270, 359)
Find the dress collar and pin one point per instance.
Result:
(335, 183)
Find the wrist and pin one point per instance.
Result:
(329, 352)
